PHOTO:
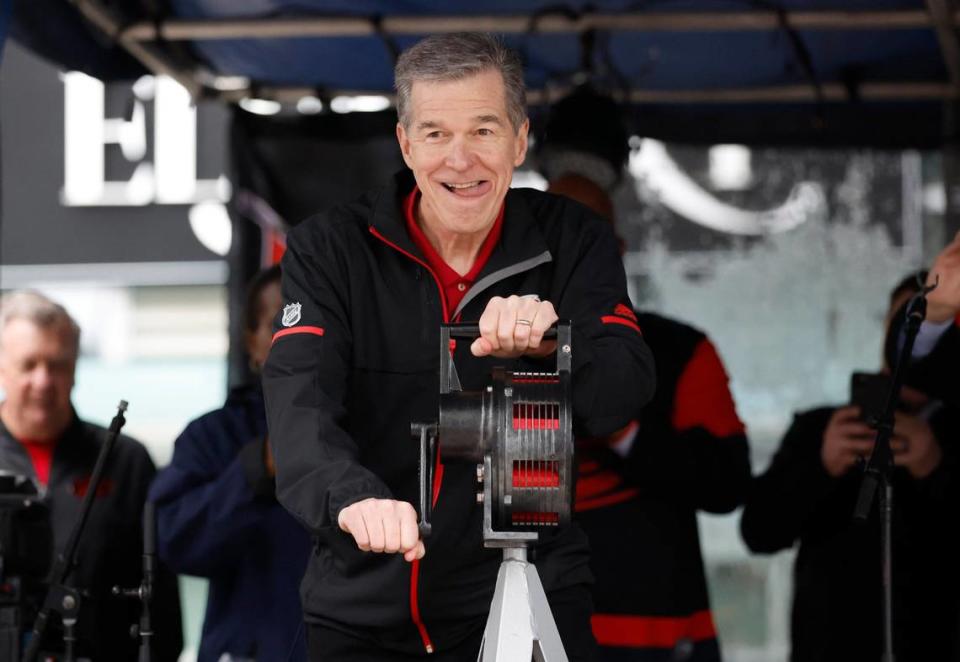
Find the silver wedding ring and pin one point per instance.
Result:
(525, 322)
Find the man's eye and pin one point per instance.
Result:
(433, 135)
(484, 132)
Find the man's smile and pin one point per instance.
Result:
(472, 189)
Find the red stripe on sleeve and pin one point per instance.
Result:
(602, 482)
(315, 330)
(703, 396)
(651, 631)
(606, 500)
(625, 311)
(615, 319)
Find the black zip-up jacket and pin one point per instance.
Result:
(218, 517)
(110, 551)
(358, 362)
(690, 453)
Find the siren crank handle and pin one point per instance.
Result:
(471, 330)
(427, 435)
(561, 331)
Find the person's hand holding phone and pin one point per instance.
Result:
(914, 445)
(846, 441)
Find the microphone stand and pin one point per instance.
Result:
(63, 599)
(144, 592)
(879, 468)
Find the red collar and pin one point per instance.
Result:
(41, 456)
(450, 280)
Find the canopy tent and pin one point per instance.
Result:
(871, 73)
(815, 72)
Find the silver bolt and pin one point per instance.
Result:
(508, 391)
(479, 497)
(507, 499)
(69, 602)
(479, 473)
(565, 349)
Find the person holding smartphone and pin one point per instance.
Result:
(808, 495)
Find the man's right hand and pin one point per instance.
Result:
(514, 326)
(383, 525)
(943, 303)
(846, 440)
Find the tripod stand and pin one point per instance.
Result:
(520, 625)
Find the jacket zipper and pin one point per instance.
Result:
(415, 566)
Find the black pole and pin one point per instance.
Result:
(144, 592)
(60, 597)
(886, 534)
(879, 469)
(146, 589)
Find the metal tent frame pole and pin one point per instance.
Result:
(141, 39)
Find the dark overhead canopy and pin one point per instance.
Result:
(864, 72)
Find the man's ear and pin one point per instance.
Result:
(523, 134)
(404, 140)
(248, 342)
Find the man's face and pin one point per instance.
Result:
(259, 341)
(462, 150)
(36, 372)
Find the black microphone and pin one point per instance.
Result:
(917, 305)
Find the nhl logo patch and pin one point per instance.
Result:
(291, 314)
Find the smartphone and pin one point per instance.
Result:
(868, 390)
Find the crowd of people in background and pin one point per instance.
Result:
(639, 489)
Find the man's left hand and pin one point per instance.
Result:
(514, 326)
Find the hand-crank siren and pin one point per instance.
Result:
(519, 432)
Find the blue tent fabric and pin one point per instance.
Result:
(57, 32)
(656, 61)
(5, 12)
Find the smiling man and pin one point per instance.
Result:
(354, 361)
(41, 437)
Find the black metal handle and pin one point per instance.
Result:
(427, 435)
(472, 330)
(450, 381)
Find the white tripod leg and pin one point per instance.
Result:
(520, 626)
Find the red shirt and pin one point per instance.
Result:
(41, 455)
(452, 285)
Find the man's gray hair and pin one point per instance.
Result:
(36, 308)
(455, 56)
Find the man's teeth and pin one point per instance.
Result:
(454, 187)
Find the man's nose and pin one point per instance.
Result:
(460, 156)
(41, 377)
